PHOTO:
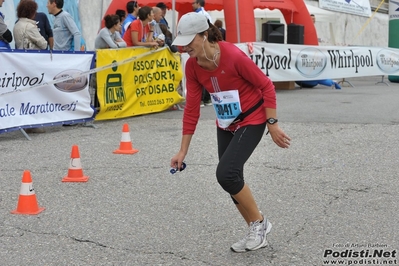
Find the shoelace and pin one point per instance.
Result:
(254, 229)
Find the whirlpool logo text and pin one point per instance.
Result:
(311, 62)
(388, 61)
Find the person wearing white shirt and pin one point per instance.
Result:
(199, 7)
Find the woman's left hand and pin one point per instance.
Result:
(279, 137)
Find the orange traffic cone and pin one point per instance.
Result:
(27, 203)
(75, 172)
(126, 146)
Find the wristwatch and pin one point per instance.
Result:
(272, 120)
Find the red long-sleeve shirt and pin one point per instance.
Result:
(236, 71)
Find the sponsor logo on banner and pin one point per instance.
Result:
(147, 84)
(351, 59)
(303, 62)
(267, 60)
(46, 90)
(311, 62)
(15, 81)
(115, 95)
(71, 85)
(388, 61)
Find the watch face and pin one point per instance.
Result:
(271, 120)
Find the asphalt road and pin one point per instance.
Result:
(332, 195)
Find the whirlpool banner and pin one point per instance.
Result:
(30, 94)
(301, 62)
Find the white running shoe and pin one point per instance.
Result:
(257, 234)
(241, 245)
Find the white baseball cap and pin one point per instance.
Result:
(189, 25)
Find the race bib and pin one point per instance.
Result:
(227, 106)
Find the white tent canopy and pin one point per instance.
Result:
(264, 15)
(321, 14)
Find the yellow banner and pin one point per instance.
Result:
(146, 85)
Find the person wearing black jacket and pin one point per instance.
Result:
(219, 24)
(168, 37)
(44, 28)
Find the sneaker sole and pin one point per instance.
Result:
(238, 251)
(264, 243)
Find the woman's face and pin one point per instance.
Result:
(151, 16)
(118, 26)
(195, 48)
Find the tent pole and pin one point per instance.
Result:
(102, 12)
(174, 18)
(238, 23)
(332, 34)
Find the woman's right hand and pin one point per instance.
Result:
(177, 160)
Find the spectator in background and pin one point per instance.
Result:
(26, 33)
(199, 7)
(157, 17)
(140, 32)
(164, 8)
(132, 8)
(27, 36)
(313, 18)
(44, 28)
(121, 14)
(219, 25)
(67, 36)
(5, 33)
(108, 37)
(168, 37)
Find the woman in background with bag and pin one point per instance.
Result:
(26, 33)
(28, 37)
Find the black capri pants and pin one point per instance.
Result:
(234, 149)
